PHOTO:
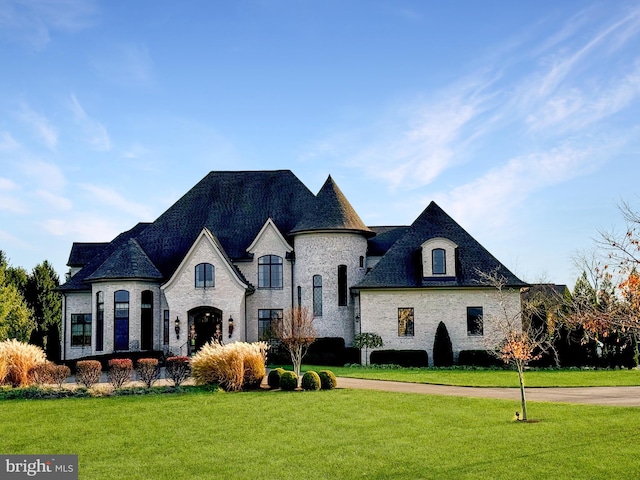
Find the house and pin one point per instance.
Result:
(240, 248)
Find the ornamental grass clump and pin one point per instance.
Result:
(328, 379)
(148, 371)
(177, 369)
(311, 381)
(273, 379)
(231, 366)
(120, 371)
(288, 381)
(17, 359)
(88, 372)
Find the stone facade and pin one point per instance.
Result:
(198, 268)
(379, 313)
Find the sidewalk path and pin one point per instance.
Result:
(611, 396)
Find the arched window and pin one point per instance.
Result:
(121, 319)
(146, 320)
(438, 261)
(317, 295)
(100, 321)
(342, 285)
(270, 271)
(205, 275)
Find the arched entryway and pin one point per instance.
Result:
(205, 324)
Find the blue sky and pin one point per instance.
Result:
(520, 119)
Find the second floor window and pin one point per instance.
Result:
(439, 265)
(270, 271)
(205, 275)
(342, 285)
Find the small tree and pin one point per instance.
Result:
(366, 341)
(295, 331)
(442, 347)
(514, 339)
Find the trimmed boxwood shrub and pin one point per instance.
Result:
(328, 380)
(404, 358)
(273, 379)
(177, 369)
(442, 348)
(311, 381)
(288, 380)
(326, 351)
(88, 372)
(120, 371)
(478, 358)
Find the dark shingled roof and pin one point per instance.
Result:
(331, 211)
(128, 261)
(384, 239)
(401, 266)
(77, 282)
(232, 205)
(81, 253)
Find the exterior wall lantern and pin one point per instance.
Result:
(230, 326)
(177, 326)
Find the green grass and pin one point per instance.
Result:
(493, 378)
(320, 435)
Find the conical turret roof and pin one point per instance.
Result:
(331, 211)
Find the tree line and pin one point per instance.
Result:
(30, 306)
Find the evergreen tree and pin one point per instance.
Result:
(15, 316)
(442, 348)
(44, 301)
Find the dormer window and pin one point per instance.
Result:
(438, 261)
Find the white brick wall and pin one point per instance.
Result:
(320, 254)
(379, 311)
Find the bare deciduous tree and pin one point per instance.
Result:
(295, 331)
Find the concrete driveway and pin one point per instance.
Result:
(611, 396)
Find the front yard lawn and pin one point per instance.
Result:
(320, 435)
(493, 378)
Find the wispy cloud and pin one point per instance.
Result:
(33, 22)
(7, 142)
(11, 197)
(492, 196)
(85, 227)
(52, 200)
(128, 65)
(95, 132)
(111, 198)
(40, 126)
(45, 175)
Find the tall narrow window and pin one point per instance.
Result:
(317, 295)
(266, 317)
(475, 326)
(121, 319)
(361, 261)
(81, 330)
(100, 321)
(342, 285)
(299, 296)
(405, 322)
(146, 320)
(165, 328)
(438, 263)
(270, 271)
(205, 275)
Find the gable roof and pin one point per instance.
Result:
(401, 266)
(331, 211)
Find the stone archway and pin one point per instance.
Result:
(205, 325)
